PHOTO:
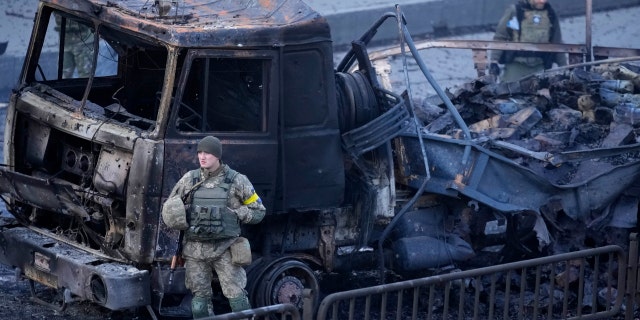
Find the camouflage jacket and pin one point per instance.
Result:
(242, 199)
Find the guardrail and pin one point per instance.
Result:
(587, 284)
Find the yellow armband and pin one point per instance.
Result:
(254, 197)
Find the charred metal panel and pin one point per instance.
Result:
(507, 186)
(112, 169)
(313, 162)
(257, 158)
(47, 109)
(226, 23)
(179, 157)
(42, 193)
(167, 284)
(60, 265)
(144, 196)
(37, 144)
(295, 233)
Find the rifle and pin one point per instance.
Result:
(177, 256)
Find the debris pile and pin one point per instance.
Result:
(546, 120)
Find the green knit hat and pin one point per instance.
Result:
(211, 145)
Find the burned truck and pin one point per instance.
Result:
(351, 177)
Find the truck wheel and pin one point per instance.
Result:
(284, 282)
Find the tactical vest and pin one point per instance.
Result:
(209, 216)
(536, 26)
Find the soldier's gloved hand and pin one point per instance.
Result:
(243, 213)
(494, 69)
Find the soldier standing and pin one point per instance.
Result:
(527, 21)
(78, 49)
(220, 199)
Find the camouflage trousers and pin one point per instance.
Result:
(514, 71)
(77, 57)
(202, 259)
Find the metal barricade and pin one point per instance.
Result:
(587, 284)
(633, 284)
(285, 311)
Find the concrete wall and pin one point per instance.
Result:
(454, 15)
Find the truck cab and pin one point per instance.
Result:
(112, 100)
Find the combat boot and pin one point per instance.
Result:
(239, 303)
(201, 307)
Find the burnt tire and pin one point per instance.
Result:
(282, 281)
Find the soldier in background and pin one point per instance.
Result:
(217, 199)
(78, 49)
(527, 21)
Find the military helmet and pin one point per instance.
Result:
(174, 215)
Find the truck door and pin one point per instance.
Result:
(229, 95)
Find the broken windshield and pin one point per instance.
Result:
(108, 73)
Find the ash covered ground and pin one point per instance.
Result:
(449, 67)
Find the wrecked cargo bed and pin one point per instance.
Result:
(561, 145)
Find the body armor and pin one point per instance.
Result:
(530, 25)
(209, 216)
(535, 27)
